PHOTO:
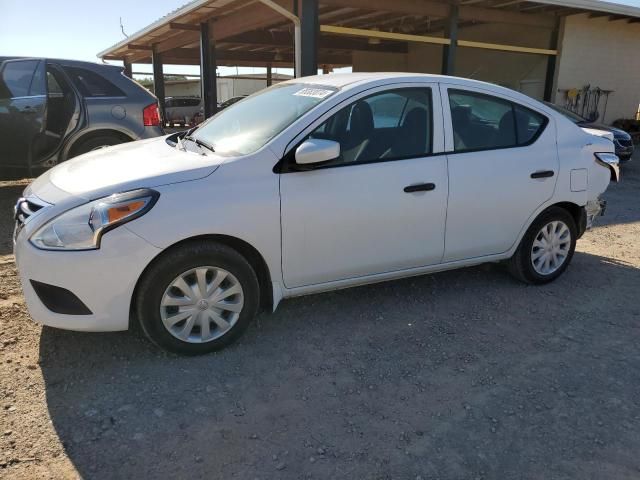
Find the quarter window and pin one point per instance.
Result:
(386, 126)
(92, 84)
(529, 124)
(483, 122)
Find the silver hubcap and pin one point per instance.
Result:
(201, 304)
(551, 247)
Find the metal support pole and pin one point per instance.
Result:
(158, 81)
(269, 76)
(449, 51)
(297, 38)
(208, 81)
(127, 68)
(552, 60)
(310, 27)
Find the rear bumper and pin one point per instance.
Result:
(593, 209)
(150, 132)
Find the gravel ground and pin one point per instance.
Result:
(465, 374)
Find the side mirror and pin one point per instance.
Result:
(316, 150)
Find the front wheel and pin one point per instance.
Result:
(197, 298)
(546, 248)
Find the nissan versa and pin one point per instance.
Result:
(311, 185)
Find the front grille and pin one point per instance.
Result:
(25, 207)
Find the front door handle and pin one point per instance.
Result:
(421, 187)
(543, 174)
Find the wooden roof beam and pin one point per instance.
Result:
(191, 56)
(184, 26)
(285, 40)
(430, 8)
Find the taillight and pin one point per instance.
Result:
(151, 115)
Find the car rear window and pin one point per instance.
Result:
(92, 84)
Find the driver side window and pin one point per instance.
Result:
(390, 125)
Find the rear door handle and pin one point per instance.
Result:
(543, 174)
(421, 187)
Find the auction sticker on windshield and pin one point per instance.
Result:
(313, 92)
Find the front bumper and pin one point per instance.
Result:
(102, 279)
(624, 151)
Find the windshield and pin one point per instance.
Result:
(574, 117)
(249, 124)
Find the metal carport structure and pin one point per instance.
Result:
(312, 34)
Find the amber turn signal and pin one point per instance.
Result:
(116, 213)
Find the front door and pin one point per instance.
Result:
(23, 103)
(503, 165)
(379, 207)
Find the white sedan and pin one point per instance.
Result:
(311, 185)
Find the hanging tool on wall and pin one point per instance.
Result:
(586, 101)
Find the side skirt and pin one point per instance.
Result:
(382, 277)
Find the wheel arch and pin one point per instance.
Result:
(88, 135)
(576, 211)
(248, 251)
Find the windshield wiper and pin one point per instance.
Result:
(198, 142)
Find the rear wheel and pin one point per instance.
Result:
(198, 298)
(546, 248)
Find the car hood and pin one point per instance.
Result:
(141, 164)
(607, 128)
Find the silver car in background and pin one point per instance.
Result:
(183, 110)
(52, 110)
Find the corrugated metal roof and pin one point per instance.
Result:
(169, 17)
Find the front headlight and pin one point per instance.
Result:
(81, 228)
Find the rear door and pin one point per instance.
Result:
(503, 165)
(23, 105)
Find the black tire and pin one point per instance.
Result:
(175, 262)
(521, 265)
(96, 142)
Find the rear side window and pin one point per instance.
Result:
(484, 122)
(16, 78)
(92, 84)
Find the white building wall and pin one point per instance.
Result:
(605, 54)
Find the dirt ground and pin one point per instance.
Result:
(465, 374)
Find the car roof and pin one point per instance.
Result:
(343, 81)
(66, 61)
